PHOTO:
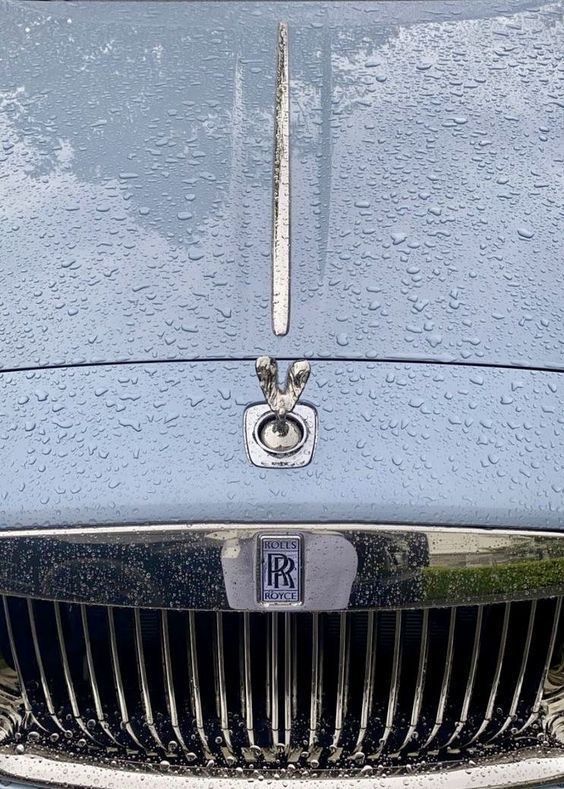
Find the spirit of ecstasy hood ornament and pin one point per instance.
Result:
(282, 400)
(281, 433)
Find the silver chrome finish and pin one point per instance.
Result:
(289, 677)
(495, 684)
(169, 681)
(277, 440)
(553, 700)
(303, 419)
(194, 679)
(329, 564)
(445, 684)
(342, 682)
(445, 566)
(272, 669)
(142, 670)
(394, 687)
(247, 683)
(280, 434)
(529, 769)
(548, 661)
(39, 660)
(291, 712)
(118, 681)
(281, 196)
(282, 400)
(67, 673)
(316, 679)
(16, 661)
(420, 685)
(220, 687)
(519, 682)
(12, 710)
(472, 673)
(91, 670)
(369, 672)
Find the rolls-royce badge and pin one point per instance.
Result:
(280, 569)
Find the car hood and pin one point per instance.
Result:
(398, 443)
(136, 180)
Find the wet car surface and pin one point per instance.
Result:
(373, 188)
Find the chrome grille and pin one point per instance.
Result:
(320, 689)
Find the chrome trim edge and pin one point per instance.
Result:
(308, 420)
(531, 770)
(281, 196)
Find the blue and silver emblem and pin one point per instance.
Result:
(280, 569)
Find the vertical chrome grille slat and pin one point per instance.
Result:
(289, 679)
(342, 680)
(368, 687)
(394, 686)
(549, 653)
(194, 680)
(420, 682)
(91, 669)
(118, 681)
(295, 648)
(272, 656)
(144, 685)
(445, 684)
(39, 660)
(495, 683)
(471, 674)
(247, 680)
(67, 673)
(169, 681)
(220, 686)
(316, 678)
(521, 675)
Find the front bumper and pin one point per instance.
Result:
(531, 770)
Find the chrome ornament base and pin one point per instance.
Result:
(282, 439)
(294, 450)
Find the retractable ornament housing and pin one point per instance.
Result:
(281, 433)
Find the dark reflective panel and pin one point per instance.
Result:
(214, 567)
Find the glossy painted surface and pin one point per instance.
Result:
(136, 170)
(397, 444)
(136, 159)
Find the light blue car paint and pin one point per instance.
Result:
(137, 181)
(397, 443)
(136, 155)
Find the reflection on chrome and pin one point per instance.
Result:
(348, 566)
(419, 648)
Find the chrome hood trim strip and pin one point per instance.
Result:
(213, 566)
(281, 196)
(529, 770)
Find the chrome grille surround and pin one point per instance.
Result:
(213, 566)
(378, 688)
